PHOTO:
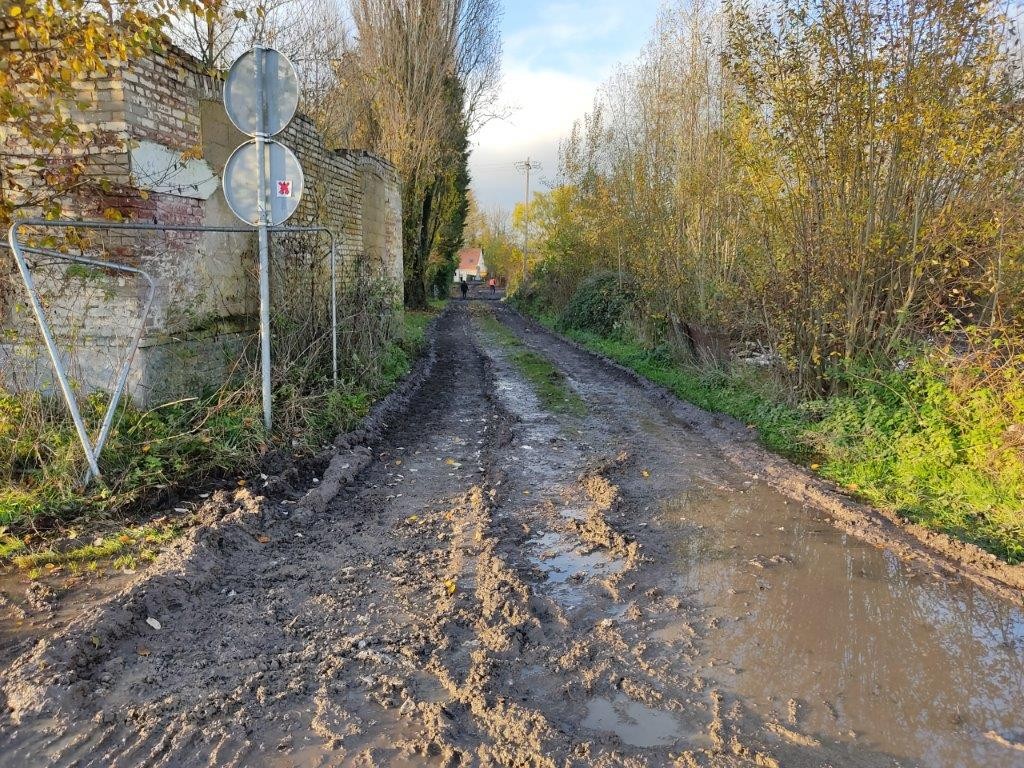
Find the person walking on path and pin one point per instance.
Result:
(464, 287)
(493, 283)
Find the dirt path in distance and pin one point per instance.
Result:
(501, 584)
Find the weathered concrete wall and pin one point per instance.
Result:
(175, 140)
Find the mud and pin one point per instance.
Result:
(488, 583)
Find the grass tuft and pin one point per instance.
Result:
(547, 381)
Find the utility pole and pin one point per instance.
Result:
(527, 165)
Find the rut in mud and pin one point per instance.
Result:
(617, 584)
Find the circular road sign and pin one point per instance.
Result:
(265, 70)
(283, 176)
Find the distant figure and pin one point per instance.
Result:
(464, 287)
(493, 283)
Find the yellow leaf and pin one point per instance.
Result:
(15, 11)
(645, 473)
(815, 466)
(449, 586)
(144, 194)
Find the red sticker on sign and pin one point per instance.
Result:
(284, 188)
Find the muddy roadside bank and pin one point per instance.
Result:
(36, 605)
(879, 527)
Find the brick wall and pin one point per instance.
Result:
(175, 139)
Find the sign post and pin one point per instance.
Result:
(264, 220)
(261, 94)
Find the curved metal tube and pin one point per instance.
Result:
(92, 451)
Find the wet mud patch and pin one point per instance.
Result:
(833, 638)
(827, 643)
(415, 618)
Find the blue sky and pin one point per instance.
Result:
(556, 54)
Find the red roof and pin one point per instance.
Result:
(469, 259)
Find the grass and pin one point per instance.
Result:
(935, 448)
(545, 379)
(177, 445)
(127, 545)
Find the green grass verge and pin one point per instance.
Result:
(780, 426)
(176, 445)
(946, 457)
(545, 379)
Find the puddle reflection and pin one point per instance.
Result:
(908, 664)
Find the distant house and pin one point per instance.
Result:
(471, 265)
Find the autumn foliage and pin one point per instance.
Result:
(828, 180)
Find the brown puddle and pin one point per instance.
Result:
(839, 639)
(634, 723)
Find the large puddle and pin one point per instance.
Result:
(842, 640)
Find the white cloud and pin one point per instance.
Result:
(545, 104)
(552, 66)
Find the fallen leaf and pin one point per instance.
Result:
(263, 538)
(645, 473)
(143, 651)
(815, 466)
(95, 641)
(153, 623)
(449, 586)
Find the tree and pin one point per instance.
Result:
(453, 208)
(491, 232)
(830, 180)
(882, 142)
(311, 33)
(50, 49)
(418, 77)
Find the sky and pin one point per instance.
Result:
(556, 54)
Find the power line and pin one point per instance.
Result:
(527, 165)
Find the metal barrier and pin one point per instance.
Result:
(92, 450)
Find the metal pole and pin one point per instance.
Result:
(51, 347)
(527, 166)
(126, 366)
(92, 453)
(261, 185)
(526, 226)
(334, 312)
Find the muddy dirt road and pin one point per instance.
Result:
(616, 583)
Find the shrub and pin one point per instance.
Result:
(600, 305)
